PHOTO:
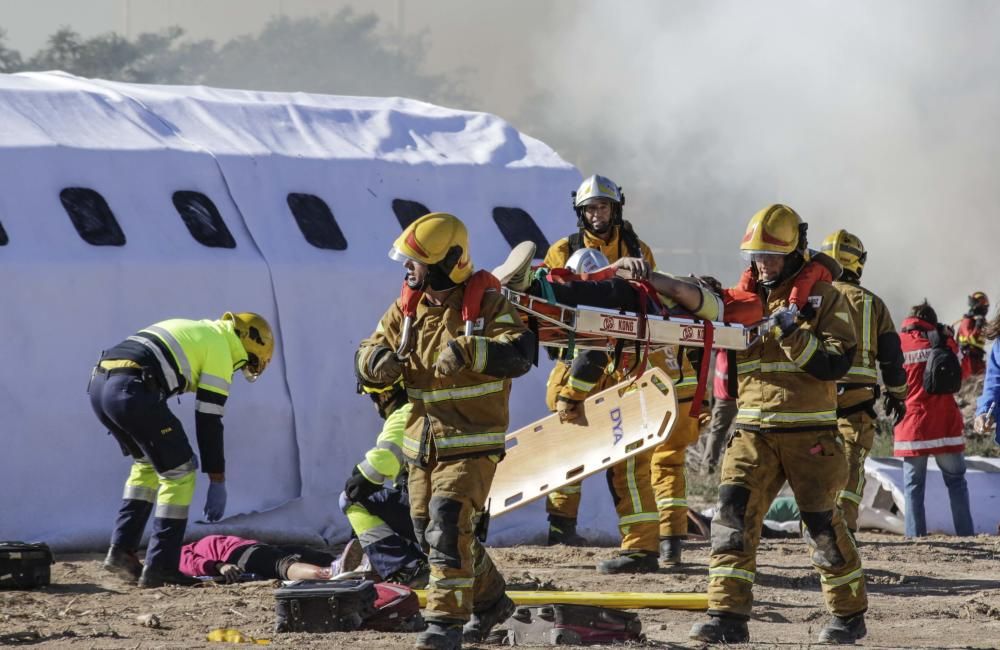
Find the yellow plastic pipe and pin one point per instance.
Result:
(615, 599)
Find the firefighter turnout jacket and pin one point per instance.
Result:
(193, 356)
(465, 414)
(573, 380)
(877, 341)
(614, 249)
(786, 383)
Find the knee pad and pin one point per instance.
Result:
(728, 525)
(443, 532)
(822, 539)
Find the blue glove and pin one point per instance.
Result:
(215, 502)
(343, 502)
(785, 320)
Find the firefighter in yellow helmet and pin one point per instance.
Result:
(858, 390)
(459, 386)
(786, 429)
(601, 227)
(129, 389)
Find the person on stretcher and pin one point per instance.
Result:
(608, 288)
(628, 284)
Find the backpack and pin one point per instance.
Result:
(943, 371)
(397, 609)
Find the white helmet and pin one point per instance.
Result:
(587, 260)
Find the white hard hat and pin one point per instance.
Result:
(586, 260)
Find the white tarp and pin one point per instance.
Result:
(291, 438)
(884, 506)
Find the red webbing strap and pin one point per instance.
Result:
(475, 287)
(699, 392)
(409, 299)
(647, 295)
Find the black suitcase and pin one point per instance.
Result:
(568, 625)
(23, 565)
(323, 605)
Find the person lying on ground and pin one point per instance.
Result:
(233, 557)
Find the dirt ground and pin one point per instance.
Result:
(943, 592)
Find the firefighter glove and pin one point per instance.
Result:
(384, 366)
(450, 361)
(215, 502)
(568, 409)
(785, 320)
(895, 408)
(358, 488)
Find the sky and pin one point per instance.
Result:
(880, 118)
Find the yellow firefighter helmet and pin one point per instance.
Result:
(847, 249)
(257, 339)
(775, 230)
(440, 241)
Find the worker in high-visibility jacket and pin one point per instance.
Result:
(786, 429)
(129, 389)
(858, 390)
(601, 228)
(459, 386)
(380, 516)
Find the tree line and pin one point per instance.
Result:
(343, 54)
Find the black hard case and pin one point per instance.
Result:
(24, 565)
(323, 605)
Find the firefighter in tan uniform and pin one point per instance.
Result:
(669, 458)
(858, 390)
(459, 386)
(786, 429)
(598, 203)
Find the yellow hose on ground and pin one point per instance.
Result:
(615, 599)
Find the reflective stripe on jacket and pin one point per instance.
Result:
(788, 383)
(195, 356)
(877, 341)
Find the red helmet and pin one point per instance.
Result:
(979, 303)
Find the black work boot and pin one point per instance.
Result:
(670, 549)
(562, 530)
(440, 636)
(479, 626)
(122, 563)
(633, 562)
(153, 577)
(844, 630)
(721, 629)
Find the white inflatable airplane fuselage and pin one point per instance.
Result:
(79, 276)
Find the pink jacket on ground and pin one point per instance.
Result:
(200, 558)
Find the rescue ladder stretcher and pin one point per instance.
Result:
(595, 328)
(619, 422)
